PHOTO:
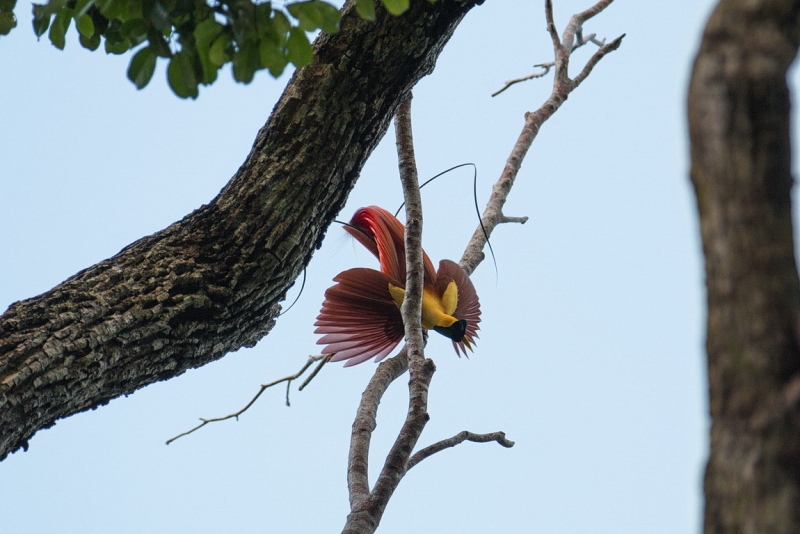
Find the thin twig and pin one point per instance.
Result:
(316, 370)
(591, 38)
(596, 57)
(509, 83)
(264, 387)
(499, 437)
(567, 44)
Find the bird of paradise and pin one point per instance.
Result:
(360, 315)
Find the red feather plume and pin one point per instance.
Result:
(359, 318)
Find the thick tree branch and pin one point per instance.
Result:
(739, 126)
(212, 283)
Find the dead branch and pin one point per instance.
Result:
(322, 358)
(562, 87)
(591, 38)
(461, 437)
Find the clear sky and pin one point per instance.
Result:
(591, 349)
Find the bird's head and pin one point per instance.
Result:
(455, 331)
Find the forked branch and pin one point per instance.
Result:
(562, 87)
(321, 358)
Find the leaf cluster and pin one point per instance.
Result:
(196, 37)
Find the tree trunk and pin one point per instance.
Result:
(211, 283)
(741, 171)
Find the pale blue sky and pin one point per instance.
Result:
(590, 355)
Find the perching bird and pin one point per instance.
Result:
(360, 316)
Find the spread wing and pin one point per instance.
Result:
(468, 307)
(359, 318)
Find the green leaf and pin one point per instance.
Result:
(245, 62)
(100, 22)
(59, 29)
(299, 50)
(158, 44)
(181, 75)
(205, 33)
(41, 20)
(90, 43)
(7, 5)
(85, 25)
(281, 25)
(272, 57)
(218, 53)
(329, 17)
(134, 31)
(274, 27)
(160, 17)
(7, 22)
(112, 9)
(366, 9)
(314, 14)
(115, 42)
(135, 10)
(142, 66)
(117, 48)
(396, 7)
(82, 6)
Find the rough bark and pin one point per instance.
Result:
(741, 171)
(212, 282)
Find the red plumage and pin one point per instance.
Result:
(359, 318)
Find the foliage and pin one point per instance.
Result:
(196, 37)
(7, 19)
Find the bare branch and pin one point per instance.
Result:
(316, 371)
(499, 437)
(509, 83)
(412, 303)
(591, 38)
(562, 87)
(264, 387)
(575, 25)
(596, 57)
(363, 426)
(571, 41)
(551, 25)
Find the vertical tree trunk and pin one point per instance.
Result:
(741, 171)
